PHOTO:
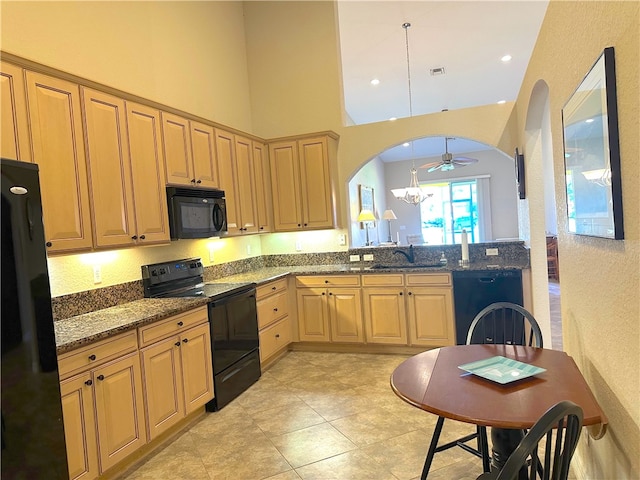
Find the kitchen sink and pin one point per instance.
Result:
(406, 265)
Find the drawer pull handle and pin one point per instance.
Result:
(326, 281)
(185, 340)
(88, 383)
(177, 344)
(100, 377)
(180, 324)
(92, 357)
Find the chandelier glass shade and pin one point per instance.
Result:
(412, 194)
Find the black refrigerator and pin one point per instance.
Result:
(33, 445)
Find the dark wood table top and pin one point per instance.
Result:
(433, 382)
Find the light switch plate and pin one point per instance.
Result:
(368, 257)
(97, 274)
(298, 246)
(354, 258)
(491, 251)
(342, 239)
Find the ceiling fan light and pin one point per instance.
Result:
(398, 192)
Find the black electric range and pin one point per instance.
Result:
(233, 322)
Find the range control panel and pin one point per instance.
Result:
(158, 273)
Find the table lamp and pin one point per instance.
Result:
(366, 217)
(388, 215)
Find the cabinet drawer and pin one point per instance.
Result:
(428, 279)
(272, 308)
(274, 338)
(271, 288)
(172, 325)
(388, 280)
(328, 281)
(96, 354)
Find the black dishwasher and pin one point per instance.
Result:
(475, 289)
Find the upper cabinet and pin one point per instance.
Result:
(112, 191)
(57, 138)
(263, 187)
(189, 151)
(14, 126)
(301, 182)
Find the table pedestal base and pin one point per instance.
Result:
(505, 441)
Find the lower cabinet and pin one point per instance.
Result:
(104, 403)
(384, 309)
(178, 375)
(274, 323)
(108, 386)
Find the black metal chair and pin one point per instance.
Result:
(500, 323)
(562, 421)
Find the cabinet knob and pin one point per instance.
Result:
(49, 244)
(400, 293)
(135, 237)
(273, 288)
(261, 228)
(305, 224)
(142, 237)
(193, 180)
(323, 293)
(101, 377)
(92, 357)
(177, 344)
(326, 281)
(185, 340)
(277, 335)
(180, 324)
(199, 181)
(299, 225)
(409, 293)
(330, 293)
(275, 309)
(88, 383)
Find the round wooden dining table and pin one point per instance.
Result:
(433, 382)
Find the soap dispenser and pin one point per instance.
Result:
(443, 260)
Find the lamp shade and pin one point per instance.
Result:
(366, 216)
(389, 215)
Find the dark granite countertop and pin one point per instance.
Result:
(84, 329)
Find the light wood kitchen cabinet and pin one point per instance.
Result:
(177, 366)
(58, 149)
(302, 184)
(328, 309)
(263, 187)
(385, 315)
(14, 126)
(274, 323)
(430, 310)
(147, 174)
(225, 152)
(189, 152)
(105, 377)
(79, 427)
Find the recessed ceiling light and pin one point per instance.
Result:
(506, 58)
(393, 119)
(589, 120)
(501, 102)
(406, 144)
(375, 81)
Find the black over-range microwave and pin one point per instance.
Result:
(196, 213)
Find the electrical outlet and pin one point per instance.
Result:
(342, 239)
(97, 274)
(354, 258)
(368, 257)
(298, 246)
(211, 254)
(491, 251)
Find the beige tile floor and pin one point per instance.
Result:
(317, 416)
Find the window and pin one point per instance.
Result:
(454, 207)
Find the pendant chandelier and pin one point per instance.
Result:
(412, 194)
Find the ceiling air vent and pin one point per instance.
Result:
(436, 71)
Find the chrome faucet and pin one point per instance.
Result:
(409, 256)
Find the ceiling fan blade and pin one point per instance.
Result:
(464, 160)
(431, 165)
(437, 167)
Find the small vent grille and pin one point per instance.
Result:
(436, 71)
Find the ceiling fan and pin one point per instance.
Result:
(448, 162)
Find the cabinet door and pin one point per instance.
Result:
(430, 316)
(226, 160)
(14, 127)
(263, 187)
(285, 183)
(246, 185)
(176, 141)
(79, 427)
(384, 316)
(56, 130)
(313, 315)
(147, 173)
(109, 167)
(162, 385)
(197, 367)
(119, 409)
(205, 165)
(345, 310)
(317, 204)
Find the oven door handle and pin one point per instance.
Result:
(250, 293)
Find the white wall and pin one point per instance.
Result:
(371, 175)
